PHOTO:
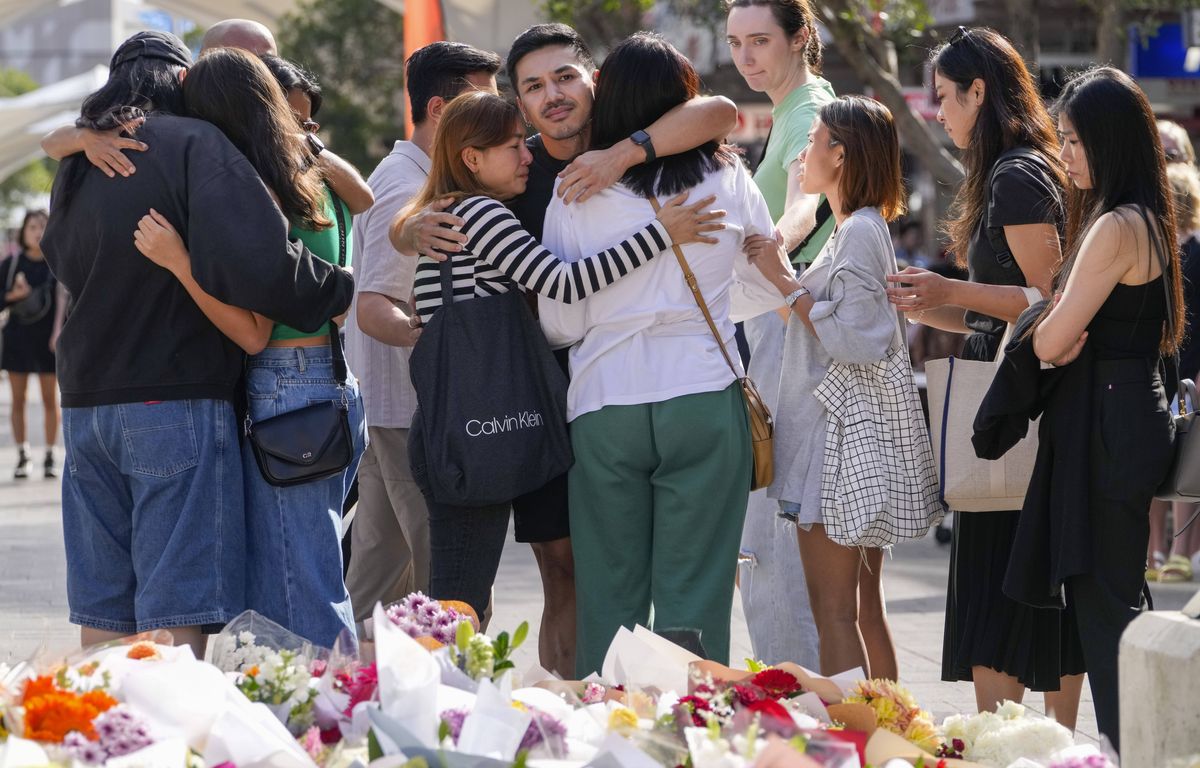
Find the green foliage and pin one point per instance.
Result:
(35, 178)
(601, 22)
(356, 50)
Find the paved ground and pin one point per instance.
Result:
(33, 598)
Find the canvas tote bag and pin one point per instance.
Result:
(967, 483)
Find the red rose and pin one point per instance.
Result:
(747, 694)
(693, 706)
(777, 683)
(770, 709)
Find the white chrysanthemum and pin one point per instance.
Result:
(1010, 710)
(1032, 738)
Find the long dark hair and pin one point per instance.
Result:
(236, 92)
(30, 215)
(134, 88)
(1116, 129)
(1012, 115)
(792, 16)
(640, 81)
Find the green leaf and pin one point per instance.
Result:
(374, 751)
(522, 757)
(503, 665)
(443, 731)
(520, 635)
(755, 666)
(501, 645)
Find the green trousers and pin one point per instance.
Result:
(658, 497)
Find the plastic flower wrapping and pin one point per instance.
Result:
(433, 690)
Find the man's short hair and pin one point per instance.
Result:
(543, 36)
(441, 69)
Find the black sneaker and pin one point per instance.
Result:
(48, 471)
(22, 470)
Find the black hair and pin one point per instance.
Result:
(291, 77)
(134, 88)
(1120, 140)
(642, 79)
(32, 213)
(441, 69)
(1012, 115)
(542, 36)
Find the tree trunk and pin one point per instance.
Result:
(867, 55)
(1110, 37)
(1024, 30)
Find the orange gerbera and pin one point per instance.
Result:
(143, 650)
(50, 713)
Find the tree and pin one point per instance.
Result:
(602, 22)
(34, 179)
(356, 50)
(864, 43)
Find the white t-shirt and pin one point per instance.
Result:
(643, 339)
(382, 369)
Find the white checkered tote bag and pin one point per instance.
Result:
(879, 482)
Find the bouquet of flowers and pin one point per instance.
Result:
(432, 623)
(896, 710)
(1003, 737)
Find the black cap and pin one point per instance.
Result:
(153, 44)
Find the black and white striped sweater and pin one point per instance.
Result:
(499, 253)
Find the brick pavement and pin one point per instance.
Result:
(33, 598)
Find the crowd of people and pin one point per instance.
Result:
(204, 247)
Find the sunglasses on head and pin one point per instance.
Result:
(959, 35)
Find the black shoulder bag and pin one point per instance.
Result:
(314, 442)
(492, 401)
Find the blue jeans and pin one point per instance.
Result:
(153, 515)
(293, 534)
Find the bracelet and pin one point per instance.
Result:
(791, 298)
(916, 319)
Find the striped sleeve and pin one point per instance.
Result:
(496, 237)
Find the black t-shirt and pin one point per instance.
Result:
(134, 333)
(1022, 191)
(530, 206)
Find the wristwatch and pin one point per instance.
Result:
(642, 139)
(790, 299)
(314, 143)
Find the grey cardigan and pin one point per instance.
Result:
(854, 323)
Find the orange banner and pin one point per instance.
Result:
(423, 24)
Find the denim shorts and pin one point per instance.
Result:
(153, 515)
(294, 534)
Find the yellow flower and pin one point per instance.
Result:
(622, 719)
(886, 713)
(519, 706)
(922, 733)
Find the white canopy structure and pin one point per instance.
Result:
(31, 115)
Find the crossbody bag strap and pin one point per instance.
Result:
(690, 277)
(340, 372)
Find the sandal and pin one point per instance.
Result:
(1155, 566)
(1177, 569)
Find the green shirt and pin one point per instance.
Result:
(324, 245)
(791, 120)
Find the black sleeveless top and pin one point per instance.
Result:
(1129, 324)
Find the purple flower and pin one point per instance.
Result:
(427, 613)
(414, 601)
(454, 718)
(78, 746)
(543, 729)
(121, 732)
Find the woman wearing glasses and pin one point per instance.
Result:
(1008, 219)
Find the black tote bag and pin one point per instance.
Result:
(492, 401)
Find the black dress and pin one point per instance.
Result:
(26, 344)
(983, 626)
